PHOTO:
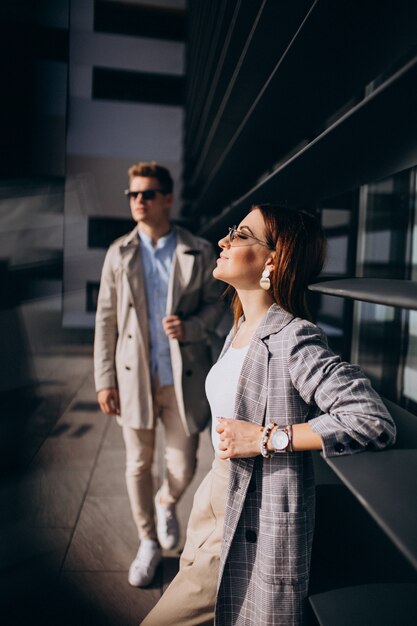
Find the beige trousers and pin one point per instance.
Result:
(190, 598)
(180, 461)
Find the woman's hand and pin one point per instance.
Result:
(238, 439)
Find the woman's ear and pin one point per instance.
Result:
(270, 261)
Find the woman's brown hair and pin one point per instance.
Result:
(300, 246)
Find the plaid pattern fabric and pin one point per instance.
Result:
(289, 376)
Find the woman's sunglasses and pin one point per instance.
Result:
(238, 236)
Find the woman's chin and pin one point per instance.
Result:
(218, 274)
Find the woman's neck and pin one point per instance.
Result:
(255, 305)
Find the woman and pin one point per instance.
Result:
(277, 392)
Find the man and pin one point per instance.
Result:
(156, 305)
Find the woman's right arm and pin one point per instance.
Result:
(353, 418)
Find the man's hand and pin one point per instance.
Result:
(238, 439)
(173, 327)
(109, 401)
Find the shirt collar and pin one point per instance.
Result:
(162, 242)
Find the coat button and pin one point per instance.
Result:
(189, 372)
(250, 536)
(130, 336)
(130, 304)
(339, 447)
(383, 438)
(127, 367)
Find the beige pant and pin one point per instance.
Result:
(191, 597)
(180, 461)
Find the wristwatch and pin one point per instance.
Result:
(280, 439)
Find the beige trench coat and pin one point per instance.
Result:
(121, 346)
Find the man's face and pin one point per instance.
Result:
(152, 212)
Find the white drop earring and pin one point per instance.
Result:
(265, 283)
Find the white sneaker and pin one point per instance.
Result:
(167, 527)
(142, 571)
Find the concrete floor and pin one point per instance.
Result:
(67, 537)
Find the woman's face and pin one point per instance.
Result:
(243, 260)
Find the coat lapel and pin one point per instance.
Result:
(274, 321)
(130, 252)
(252, 391)
(251, 403)
(182, 269)
(227, 342)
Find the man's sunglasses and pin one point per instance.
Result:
(147, 194)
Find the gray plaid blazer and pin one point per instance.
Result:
(289, 376)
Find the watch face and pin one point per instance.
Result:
(279, 440)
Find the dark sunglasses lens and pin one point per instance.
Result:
(148, 194)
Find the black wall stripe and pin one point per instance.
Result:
(140, 21)
(109, 84)
(52, 44)
(91, 296)
(103, 230)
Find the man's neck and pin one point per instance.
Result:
(155, 231)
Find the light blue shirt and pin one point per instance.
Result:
(157, 262)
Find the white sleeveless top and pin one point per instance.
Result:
(221, 387)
